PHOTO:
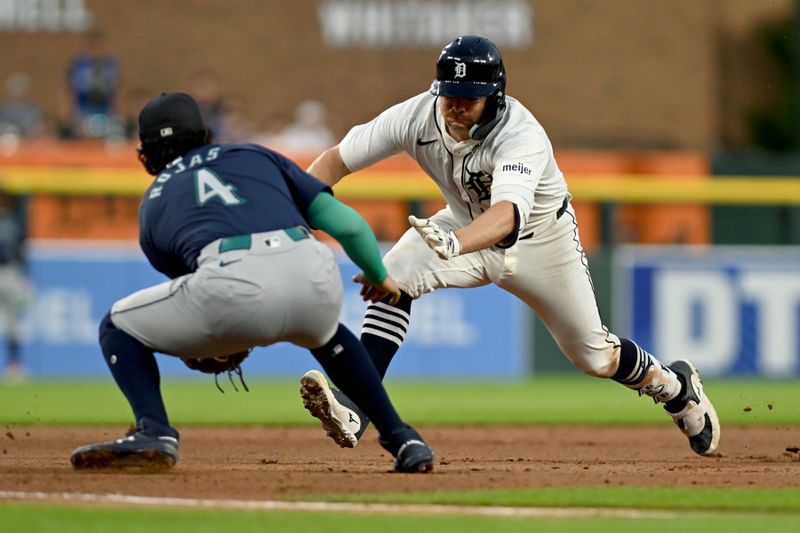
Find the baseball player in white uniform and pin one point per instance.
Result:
(508, 221)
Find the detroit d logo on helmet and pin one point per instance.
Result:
(461, 70)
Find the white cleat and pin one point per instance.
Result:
(341, 424)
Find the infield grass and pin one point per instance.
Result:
(45, 519)
(730, 499)
(544, 400)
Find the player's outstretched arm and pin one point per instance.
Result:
(492, 227)
(354, 234)
(329, 167)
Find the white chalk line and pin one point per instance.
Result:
(341, 507)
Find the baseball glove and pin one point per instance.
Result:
(231, 364)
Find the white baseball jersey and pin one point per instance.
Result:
(513, 163)
(545, 268)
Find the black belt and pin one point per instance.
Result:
(561, 211)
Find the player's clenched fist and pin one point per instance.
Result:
(444, 243)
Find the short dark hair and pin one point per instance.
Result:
(156, 153)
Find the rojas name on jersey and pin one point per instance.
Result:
(178, 166)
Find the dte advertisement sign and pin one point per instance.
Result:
(731, 310)
(474, 334)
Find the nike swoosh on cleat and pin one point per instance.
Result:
(420, 142)
(226, 263)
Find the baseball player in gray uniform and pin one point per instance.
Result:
(508, 221)
(229, 225)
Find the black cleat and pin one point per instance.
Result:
(135, 450)
(693, 412)
(411, 453)
(414, 456)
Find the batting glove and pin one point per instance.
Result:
(444, 243)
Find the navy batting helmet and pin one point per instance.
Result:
(471, 67)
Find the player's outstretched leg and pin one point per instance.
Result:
(346, 362)
(384, 331)
(153, 443)
(678, 387)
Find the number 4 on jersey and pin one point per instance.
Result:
(209, 185)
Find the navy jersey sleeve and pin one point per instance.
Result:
(303, 186)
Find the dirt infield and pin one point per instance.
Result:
(267, 463)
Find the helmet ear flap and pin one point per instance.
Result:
(492, 115)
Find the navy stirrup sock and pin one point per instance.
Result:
(642, 372)
(385, 328)
(633, 363)
(348, 365)
(135, 370)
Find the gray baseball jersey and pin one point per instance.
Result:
(546, 267)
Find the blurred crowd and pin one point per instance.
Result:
(94, 106)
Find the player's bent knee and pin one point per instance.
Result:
(113, 339)
(108, 331)
(106, 325)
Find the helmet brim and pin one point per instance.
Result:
(463, 89)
